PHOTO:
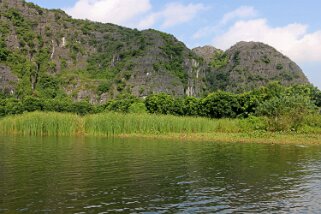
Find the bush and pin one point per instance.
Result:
(248, 103)
(279, 66)
(286, 113)
(82, 108)
(160, 103)
(265, 59)
(316, 96)
(31, 103)
(103, 87)
(12, 106)
(191, 106)
(254, 123)
(2, 107)
(58, 105)
(220, 105)
(219, 59)
(122, 103)
(178, 107)
(138, 107)
(4, 53)
(48, 86)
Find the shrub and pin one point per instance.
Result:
(265, 59)
(220, 105)
(58, 105)
(4, 53)
(31, 103)
(82, 108)
(103, 87)
(159, 103)
(286, 113)
(219, 59)
(48, 86)
(12, 106)
(191, 106)
(178, 107)
(122, 103)
(279, 66)
(138, 107)
(248, 103)
(316, 96)
(254, 123)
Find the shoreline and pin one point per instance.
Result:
(144, 126)
(266, 138)
(261, 138)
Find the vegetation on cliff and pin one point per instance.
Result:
(248, 65)
(47, 54)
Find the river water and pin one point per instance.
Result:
(99, 175)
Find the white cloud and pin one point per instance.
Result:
(120, 12)
(173, 14)
(293, 40)
(239, 13)
(134, 13)
(243, 12)
(204, 32)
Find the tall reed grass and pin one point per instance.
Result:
(114, 123)
(42, 124)
(110, 124)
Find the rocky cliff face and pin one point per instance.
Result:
(91, 60)
(8, 80)
(206, 52)
(47, 53)
(248, 65)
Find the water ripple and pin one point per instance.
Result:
(72, 175)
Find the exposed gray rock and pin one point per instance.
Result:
(206, 52)
(82, 56)
(251, 65)
(8, 81)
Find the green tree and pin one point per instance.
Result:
(159, 103)
(248, 103)
(191, 106)
(220, 105)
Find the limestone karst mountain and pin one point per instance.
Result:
(248, 65)
(47, 53)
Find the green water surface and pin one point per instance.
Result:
(99, 175)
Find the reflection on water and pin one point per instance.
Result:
(92, 175)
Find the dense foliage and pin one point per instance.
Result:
(284, 108)
(219, 59)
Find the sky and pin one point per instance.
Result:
(291, 26)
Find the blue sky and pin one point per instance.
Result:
(291, 26)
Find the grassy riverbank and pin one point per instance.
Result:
(156, 126)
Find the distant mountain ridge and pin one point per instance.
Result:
(47, 53)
